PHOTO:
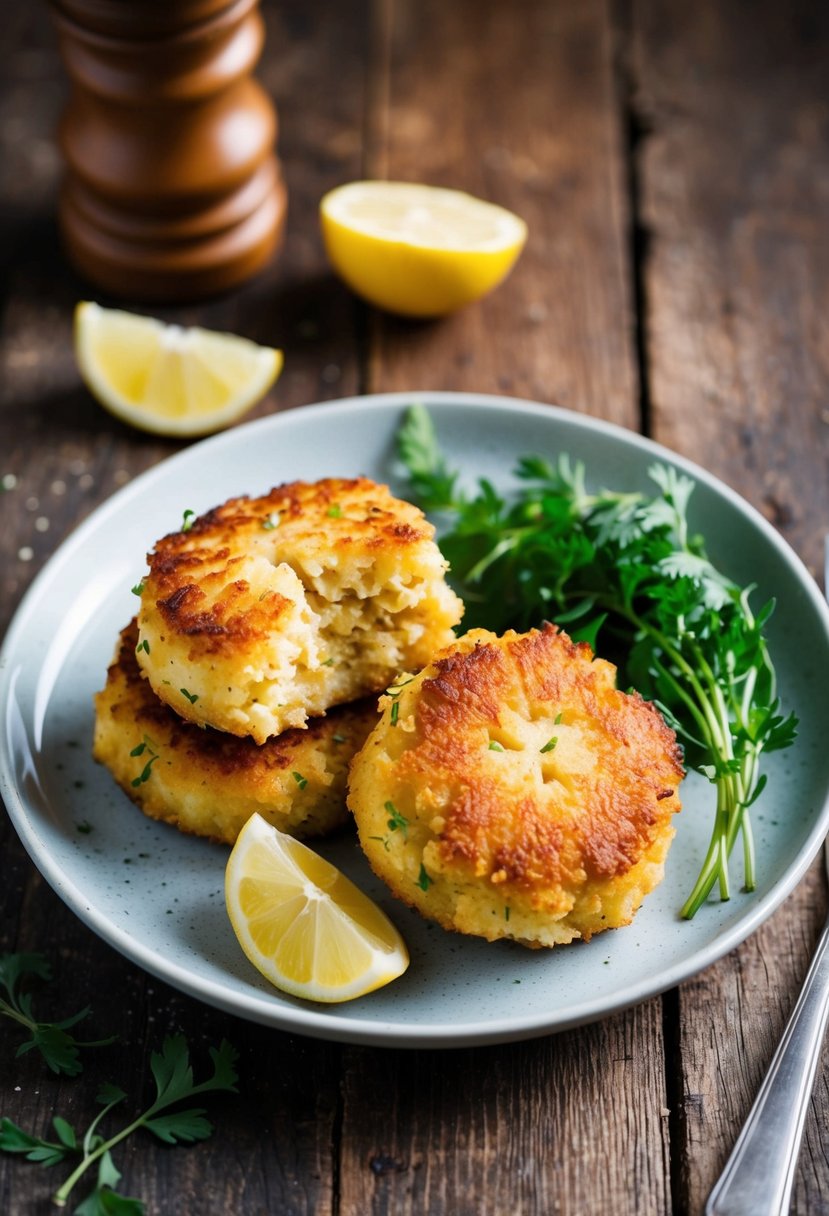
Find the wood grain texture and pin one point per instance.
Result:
(727, 198)
(525, 114)
(723, 1056)
(512, 1129)
(573, 1124)
(734, 173)
(275, 1151)
(732, 103)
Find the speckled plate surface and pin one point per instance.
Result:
(157, 896)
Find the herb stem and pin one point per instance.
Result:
(89, 1158)
(15, 1014)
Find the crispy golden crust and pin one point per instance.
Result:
(533, 799)
(210, 783)
(266, 611)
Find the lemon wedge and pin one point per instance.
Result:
(420, 251)
(303, 924)
(167, 379)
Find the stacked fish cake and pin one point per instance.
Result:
(208, 782)
(507, 789)
(264, 625)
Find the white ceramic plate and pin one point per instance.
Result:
(156, 895)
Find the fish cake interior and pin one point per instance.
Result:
(267, 611)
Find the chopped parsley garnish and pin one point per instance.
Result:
(144, 748)
(394, 692)
(187, 520)
(549, 745)
(143, 645)
(690, 641)
(192, 697)
(423, 879)
(396, 821)
(300, 780)
(138, 589)
(145, 773)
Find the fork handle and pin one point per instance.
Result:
(758, 1177)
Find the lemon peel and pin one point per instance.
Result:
(167, 379)
(416, 250)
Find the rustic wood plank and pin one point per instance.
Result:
(732, 1017)
(733, 176)
(274, 1148)
(735, 189)
(533, 97)
(574, 1123)
(561, 1125)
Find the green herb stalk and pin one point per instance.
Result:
(57, 1046)
(625, 565)
(174, 1083)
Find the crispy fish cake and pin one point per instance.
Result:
(267, 611)
(210, 783)
(510, 790)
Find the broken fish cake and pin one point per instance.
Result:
(267, 611)
(510, 790)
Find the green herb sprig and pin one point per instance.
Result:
(174, 1083)
(625, 564)
(57, 1046)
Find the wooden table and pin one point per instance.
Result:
(672, 163)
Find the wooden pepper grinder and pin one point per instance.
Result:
(172, 189)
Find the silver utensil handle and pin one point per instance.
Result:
(758, 1177)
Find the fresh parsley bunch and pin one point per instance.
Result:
(627, 565)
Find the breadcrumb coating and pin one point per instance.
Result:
(267, 611)
(209, 783)
(510, 790)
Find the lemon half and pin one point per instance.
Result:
(167, 379)
(303, 924)
(420, 251)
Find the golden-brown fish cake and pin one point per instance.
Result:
(510, 790)
(210, 783)
(267, 611)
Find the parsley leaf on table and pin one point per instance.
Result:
(623, 565)
(174, 1083)
(52, 1039)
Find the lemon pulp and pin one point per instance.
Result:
(168, 379)
(304, 925)
(419, 251)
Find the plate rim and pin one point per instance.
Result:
(311, 1021)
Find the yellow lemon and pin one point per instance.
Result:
(167, 379)
(303, 924)
(421, 251)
